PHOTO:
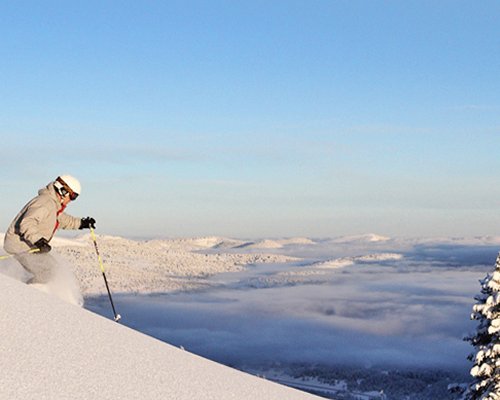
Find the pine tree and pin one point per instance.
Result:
(486, 340)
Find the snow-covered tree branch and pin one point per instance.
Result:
(486, 340)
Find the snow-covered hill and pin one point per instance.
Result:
(275, 244)
(346, 261)
(154, 266)
(366, 238)
(53, 350)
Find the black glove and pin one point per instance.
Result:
(87, 223)
(43, 246)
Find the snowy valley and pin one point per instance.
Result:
(364, 317)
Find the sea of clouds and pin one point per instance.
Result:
(364, 301)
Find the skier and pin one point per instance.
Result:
(31, 231)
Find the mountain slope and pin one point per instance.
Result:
(53, 350)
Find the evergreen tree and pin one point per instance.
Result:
(486, 340)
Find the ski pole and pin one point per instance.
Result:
(117, 317)
(36, 250)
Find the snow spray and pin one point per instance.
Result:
(46, 272)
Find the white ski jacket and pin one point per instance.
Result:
(40, 218)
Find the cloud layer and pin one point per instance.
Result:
(411, 310)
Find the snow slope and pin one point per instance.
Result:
(53, 350)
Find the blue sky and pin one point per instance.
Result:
(250, 119)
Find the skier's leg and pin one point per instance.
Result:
(39, 265)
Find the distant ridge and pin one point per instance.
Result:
(369, 237)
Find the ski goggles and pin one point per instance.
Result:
(66, 190)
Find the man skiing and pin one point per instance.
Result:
(31, 231)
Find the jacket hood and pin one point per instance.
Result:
(49, 191)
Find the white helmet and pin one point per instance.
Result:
(65, 184)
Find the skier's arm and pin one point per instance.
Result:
(67, 221)
(29, 224)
